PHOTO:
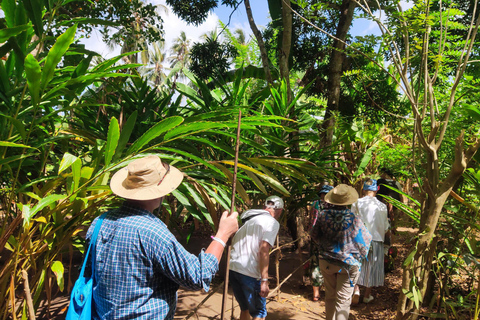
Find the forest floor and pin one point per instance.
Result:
(294, 300)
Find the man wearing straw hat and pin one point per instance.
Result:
(343, 242)
(139, 265)
(250, 258)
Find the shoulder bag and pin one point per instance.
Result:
(80, 307)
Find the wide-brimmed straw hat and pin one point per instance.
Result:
(342, 195)
(146, 179)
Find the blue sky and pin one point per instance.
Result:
(239, 17)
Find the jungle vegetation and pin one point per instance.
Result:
(318, 105)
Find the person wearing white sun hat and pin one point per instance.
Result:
(139, 264)
(343, 243)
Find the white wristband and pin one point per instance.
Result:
(219, 241)
(264, 280)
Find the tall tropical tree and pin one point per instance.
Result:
(155, 69)
(181, 50)
(137, 36)
(434, 59)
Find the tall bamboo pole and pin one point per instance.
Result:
(232, 209)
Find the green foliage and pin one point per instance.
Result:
(211, 58)
(131, 19)
(195, 12)
(248, 52)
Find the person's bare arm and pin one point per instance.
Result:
(263, 260)
(227, 227)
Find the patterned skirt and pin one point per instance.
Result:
(372, 273)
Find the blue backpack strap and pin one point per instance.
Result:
(93, 241)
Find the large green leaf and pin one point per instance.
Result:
(77, 174)
(285, 170)
(82, 67)
(256, 181)
(17, 158)
(18, 125)
(183, 199)
(127, 130)
(39, 287)
(58, 270)
(269, 178)
(193, 157)
(28, 213)
(14, 145)
(200, 203)
(112, 140)
(34, 9)
(240, 189)
(367, 156)
(55, 55)
(34, 73)
(152, 133)
(7, 33)
(79, 82)
(8, 7)
(67, 160)
(190, 93)
(4, 79)
(101, 67)
(192, 128)
(88, 21)
(218, 145)
(215, 195)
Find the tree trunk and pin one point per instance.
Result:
(437, 193)
(335, 70)
(261, 44)
(284, 54)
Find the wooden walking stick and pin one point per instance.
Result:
(232, 209)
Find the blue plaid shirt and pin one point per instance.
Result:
(140, 266)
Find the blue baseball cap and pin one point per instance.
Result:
(325, 189)
(370, 187)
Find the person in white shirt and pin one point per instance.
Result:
(249, 258)
(374, 215)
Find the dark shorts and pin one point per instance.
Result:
(247, 292)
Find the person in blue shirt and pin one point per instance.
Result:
(139, 264)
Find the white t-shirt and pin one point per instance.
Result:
(246, 242)
(374, 215)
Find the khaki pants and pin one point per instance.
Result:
(339, 286)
